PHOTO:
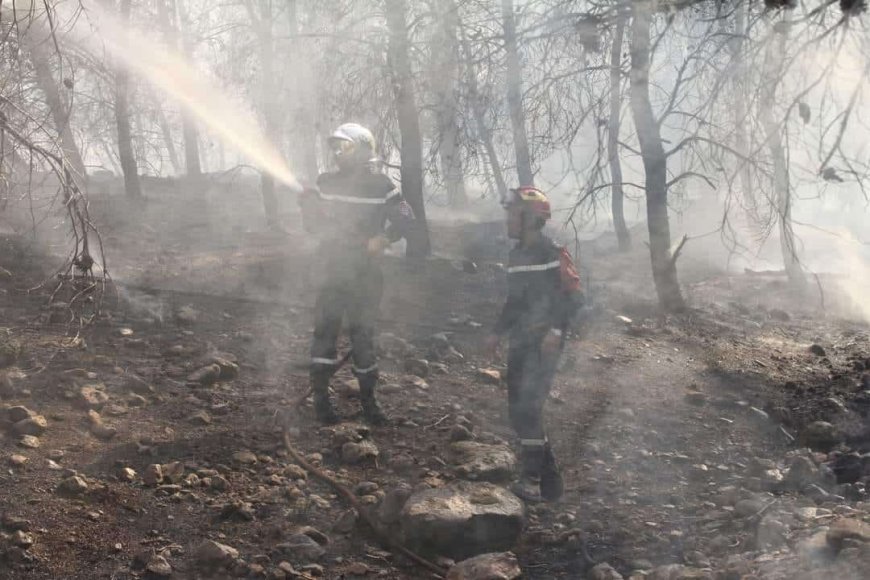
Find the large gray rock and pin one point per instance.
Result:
(463, 519)
(502, 566)
(481, 462)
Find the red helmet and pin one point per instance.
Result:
(533, 200)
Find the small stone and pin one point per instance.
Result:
(365, 488)
(358, 569)
(218, 483)
(14, 523)
(772, 534)
(245, 457)
(187, 315)
(819, 435)
(33, 425)
(604, 572)
(153, 475)
(288, 569)
(18, 413)
(801, 473)
(17, 461)
(173, 472)
(213, 554)
(228, 369)
(460, 433)
(491, 376)
(417, 367)
(73, 485)
(98, 428)
(295, 472)
(200, 419)
(302, 548)
(22, 539)
(817, 350)
(207, 375)
(357, 452)
(30, 442)
(846, 529)
(158, 566)
(238, 510)
(93, 397)
(481, 462)
(492, 566)
(127, 474)
(748, 507)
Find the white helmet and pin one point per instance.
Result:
(352, 144)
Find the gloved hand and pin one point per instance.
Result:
(377, 245)
(552, 343)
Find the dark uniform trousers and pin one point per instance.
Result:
(358, 299)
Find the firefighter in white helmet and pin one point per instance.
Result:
(356, 211)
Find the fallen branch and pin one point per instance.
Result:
(676, 255)
(351, 499)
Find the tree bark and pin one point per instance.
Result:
(664, 266)
(409, 123)
(617, 195)
(446, 53)
(174, 22)
(39, 57)
(122, 119)
(167, 138)
(261, 21)
(515, 96)
(741, 112)
(305, 99)
(773, 135)
(479, 113)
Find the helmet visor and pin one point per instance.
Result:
(342, 147)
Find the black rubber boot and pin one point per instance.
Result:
(371, 410)
(552, 486)
(323, 407)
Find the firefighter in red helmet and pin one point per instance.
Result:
(543, 295)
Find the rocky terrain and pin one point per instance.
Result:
(730, 442)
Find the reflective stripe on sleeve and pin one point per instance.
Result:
(324, 361)
(354, 199)
(534, 267)
(533, 442)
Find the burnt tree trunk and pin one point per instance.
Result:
(617, 195)
(122, 119)
(773, 134)
(409, 123)
(189, 130)
(60, 113)
(445, 49)
(479, 112)
(515, 96)
(167, 138)
(305, 100)
(664, 266)
(261, 21)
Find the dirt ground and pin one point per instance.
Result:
(678, 435)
